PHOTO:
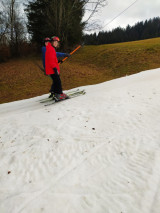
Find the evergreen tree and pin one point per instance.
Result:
(62, 18)
(141, 30)
(36, 20)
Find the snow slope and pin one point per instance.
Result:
(97, 153)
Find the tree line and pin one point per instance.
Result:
(141, 30)
(23, 30)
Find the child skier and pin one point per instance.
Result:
(52, 69)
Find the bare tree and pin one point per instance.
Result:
(11, 24)
(3, 24)
(91, 8)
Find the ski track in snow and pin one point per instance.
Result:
(97, 153)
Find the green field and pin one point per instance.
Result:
(21, 78)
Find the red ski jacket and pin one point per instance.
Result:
(51, 60)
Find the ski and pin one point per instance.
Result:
(49, 99)
(81, 92)
(68, 94)
(73, 95)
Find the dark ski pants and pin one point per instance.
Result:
(56, 86)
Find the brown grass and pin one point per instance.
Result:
(21, 78)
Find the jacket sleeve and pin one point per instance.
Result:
(59, 54)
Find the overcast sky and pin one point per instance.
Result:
(120, 13)
(139, 10)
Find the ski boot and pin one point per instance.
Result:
(51, 95)
(59, 97)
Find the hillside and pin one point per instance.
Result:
(21, 78)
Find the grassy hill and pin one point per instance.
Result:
(21, 78)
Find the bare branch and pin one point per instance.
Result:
(93, 7)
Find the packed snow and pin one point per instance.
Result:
(96, 153)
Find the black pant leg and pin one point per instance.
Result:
(52, 86)
(56, 85)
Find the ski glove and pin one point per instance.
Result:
(60, 61)
(55, 71)
(68, 55)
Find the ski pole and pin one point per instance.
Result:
(71, 53)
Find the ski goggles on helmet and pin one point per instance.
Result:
(55, 38)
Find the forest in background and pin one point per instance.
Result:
(24, 27)
(140, 31)
(22, 30)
